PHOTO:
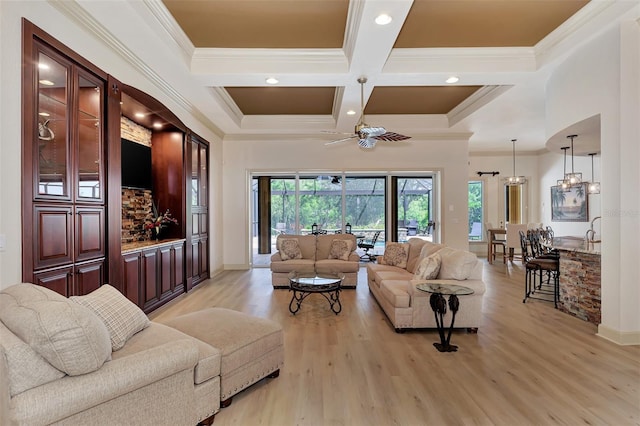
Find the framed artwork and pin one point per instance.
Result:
(570, 205)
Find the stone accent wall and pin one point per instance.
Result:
(580, 285)
(136, 208)
(134, 132)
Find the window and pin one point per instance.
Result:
(476, 209)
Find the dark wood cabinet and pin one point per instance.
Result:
(64, 103)
(155, 274)
(197, 210)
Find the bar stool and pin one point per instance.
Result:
(536, 267)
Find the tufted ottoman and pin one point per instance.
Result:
(252, 348)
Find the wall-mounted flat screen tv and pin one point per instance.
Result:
(136, 165)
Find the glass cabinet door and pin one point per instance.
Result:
(52, 118)
(89, 138)
(195, 181)
(203, 175)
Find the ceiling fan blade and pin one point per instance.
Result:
(391, 136)
(341, 140)
(367, 143)
(367, 132)
(333, 132)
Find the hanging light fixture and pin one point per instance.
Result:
(564, 182)
(594, 187)
(515, 179)
(573, 177)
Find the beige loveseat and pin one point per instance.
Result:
(394, 287)
(97, 359)
(328, 253)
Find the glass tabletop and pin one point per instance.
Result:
(315, 279)
(444, 289)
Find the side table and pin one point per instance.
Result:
(439, 306)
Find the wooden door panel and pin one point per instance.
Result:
(165, 270)
(178, 266)
(89, 277)
(149, 276)
(131, 276)
(59, 280)
(89, 233)
(53, 236)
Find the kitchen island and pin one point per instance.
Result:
(579, 277)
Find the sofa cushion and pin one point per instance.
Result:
(157, 334)
(307, 244)
(395, 292)
(429, 267)
(324, 243)
(121, 316)
(298, 265)
(396, 254)
(290, 249)
(456, 264)
(415, 247)
(340, 249)
(329, 266)
(429, 248)
(69, 336)
(25, 367)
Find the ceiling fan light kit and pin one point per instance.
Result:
(367, 135)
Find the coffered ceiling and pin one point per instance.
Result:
(502, 51)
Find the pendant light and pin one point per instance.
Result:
(564, 183)
(573, 177)
(515, 179)
(594, 187)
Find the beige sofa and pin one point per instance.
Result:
(315, 256)
(394, 287)
(59, 363)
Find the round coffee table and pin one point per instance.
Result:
(439, 306)
(328, 285)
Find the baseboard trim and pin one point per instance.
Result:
(236, 266)
(620, 337)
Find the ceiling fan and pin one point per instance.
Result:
(367, 135)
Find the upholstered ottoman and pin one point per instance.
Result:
(252, 348)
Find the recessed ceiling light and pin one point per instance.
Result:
(452, 79)
(46, 82)
(139, 115)
(272, 80)
(383, 19)
(157, 125)
(351, 112)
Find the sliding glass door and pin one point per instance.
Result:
(303, 203)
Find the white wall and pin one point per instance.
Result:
(604, 78)
(241, 157)
(91, 47)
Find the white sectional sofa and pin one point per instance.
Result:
(98, 359)
(394, 287)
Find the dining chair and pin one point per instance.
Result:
(497, 241)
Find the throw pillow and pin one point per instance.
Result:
(340, 249)
(429, 267)
(396, 254)
(25, 368)
(429, 248)
(456, 264)
(289, 249)
(121, 316)
(69, 336)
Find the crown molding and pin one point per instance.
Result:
(593, 18)
(167, 22)
(83, 19)
(228, 104)
(296, 123)
(324, 137)
(474, 102)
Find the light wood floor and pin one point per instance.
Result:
(528, 365)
